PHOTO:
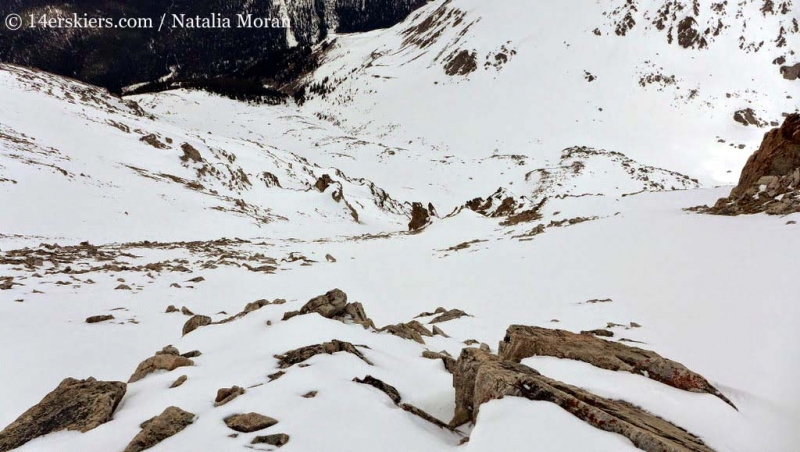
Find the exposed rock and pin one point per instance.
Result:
(152, 140)
(747, 117)
(73, 405)
(599, 332)
(171, 421)
(190, 153)
(461, 63)
(186, 311)
(170, 309)
(521, 342)
(438, 310)
(449, 362)
(323, 182)
(791, 72)
(168, 359)
(277, 439)
(191, 354)
(299, 355)
(122, 287)
(330, 258)
(276, 375)
(181, 380)
(438, 332)
(99, 318)
(250, 422)
(386, 388)
(480, 377)
(195, 322)
(449, 315)
(393, 394)
(310, 395)
(334, 305)
(225, 395)
(420, 217)
(412, 330)
(329, 305)
(770, 180)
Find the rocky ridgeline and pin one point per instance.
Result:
(770, 180)
(479, 376)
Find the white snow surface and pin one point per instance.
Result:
(717, 294)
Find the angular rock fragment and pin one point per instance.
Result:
(181, 380)
(522, 342)
(249, 422)
(73, 405)
(170, 422)
(412, 330)
(186, 311)
(299, 355)
(277, 439)
(168, 359)
(225, 395)
(599, 332)
(328, 305)
(99, 318)
(334, 305)
(481, 377)
(170, 309)
(195, 322)
(449, 315)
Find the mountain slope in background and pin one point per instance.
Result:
(96, 55)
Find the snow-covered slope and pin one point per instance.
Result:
(103, 167)
(471, 78)
(161, 209)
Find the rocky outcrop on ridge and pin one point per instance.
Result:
(770, 180)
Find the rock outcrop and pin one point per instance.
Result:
(167, 359)
(170, 422)
(480, 377)
(73, 405)
(770, 180)
(249, 422)
(334, 305)
(420, 217)
(299, 355)
(522, 342)
(196, 322)
(277, 439)
(225, 395)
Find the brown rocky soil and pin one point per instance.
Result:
(170, 422)
(523, 342)
(73, 405)
(480, 377)
(420, 217)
